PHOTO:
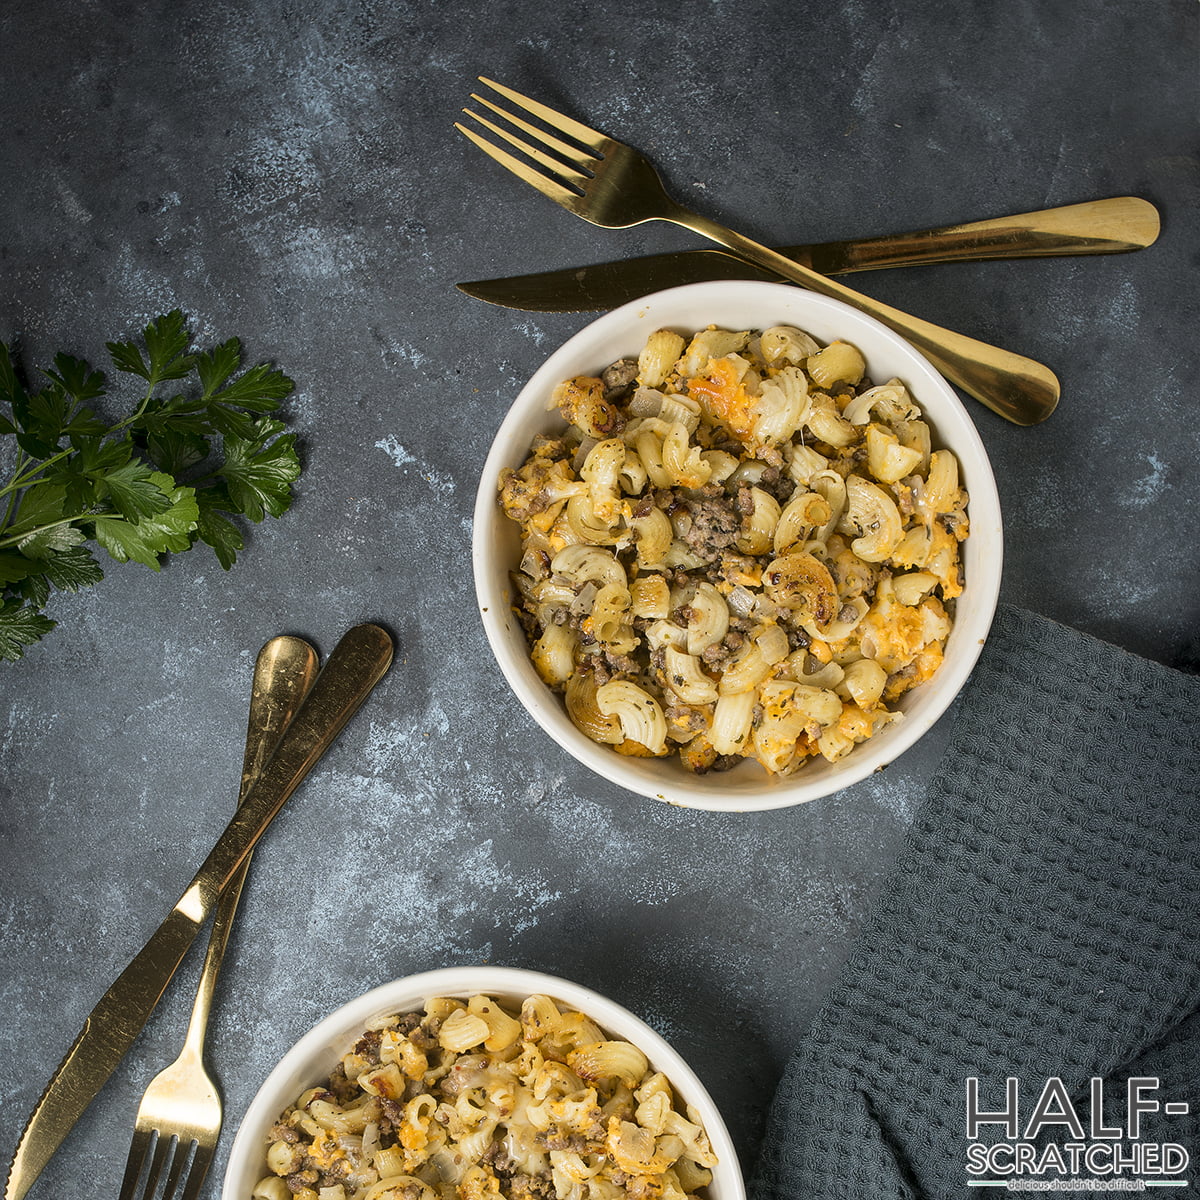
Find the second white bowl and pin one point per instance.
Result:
(309, 1062)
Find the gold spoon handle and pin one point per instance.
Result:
(283, 675)
(1017, 388)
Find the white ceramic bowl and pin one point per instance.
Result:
(738, 305)
(311, 1059)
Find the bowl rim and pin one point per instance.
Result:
(923, 706)
(335, 1033)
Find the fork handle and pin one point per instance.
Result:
(1017, 388)
(283, 675)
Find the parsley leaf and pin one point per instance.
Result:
(15, 567)
(70, 570)
(166, 341)
(260, 469)
(215, 528)
(77, 378)
(134, 491)
(196, 452)
(145, 540)
(20, 625)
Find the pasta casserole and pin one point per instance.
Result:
(739, 548)
(467, 1100)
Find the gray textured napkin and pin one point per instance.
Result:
(1042, 924)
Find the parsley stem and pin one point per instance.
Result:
(14, 498)
(20, 480)
(138, 413)
(24, 476)
(14, 538)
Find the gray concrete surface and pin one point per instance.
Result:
(287, 172)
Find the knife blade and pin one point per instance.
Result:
(355, 666)
(1114, 225)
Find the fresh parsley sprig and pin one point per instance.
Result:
(199, 451)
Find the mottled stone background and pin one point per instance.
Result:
(286, 171)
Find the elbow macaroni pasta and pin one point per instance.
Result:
(750, 552)
(468, 1101)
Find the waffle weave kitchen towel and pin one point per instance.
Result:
(1041, 926)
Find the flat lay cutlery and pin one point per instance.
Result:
(611, 184)
(181, 1108)
(358, 662)
(1115, 225)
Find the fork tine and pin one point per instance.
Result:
(556, 120)
(548, 187)
(579, 178)
(183, 1152)
(138, 1149)
(201, 1161)
(580, 158)
(163, 1150)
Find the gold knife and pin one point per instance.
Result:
(1112, 226)
(355, 666)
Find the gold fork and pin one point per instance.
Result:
(611, 184)
(181, 1108)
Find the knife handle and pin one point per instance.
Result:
(1114, 225)
(107, 1033)
(354, 667)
